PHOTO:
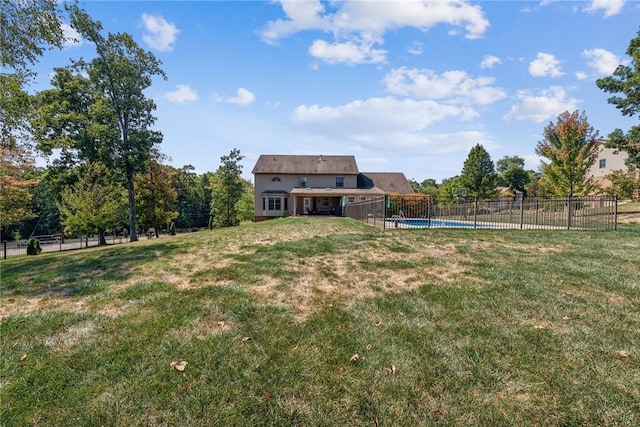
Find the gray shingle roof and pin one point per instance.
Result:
(389, 182)
(306, 165)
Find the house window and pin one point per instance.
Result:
(275, 203)
(303, 181)
(603, 163)
(276, 179)
(339, 181)
(351, 199)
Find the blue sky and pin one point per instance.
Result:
(405, 86)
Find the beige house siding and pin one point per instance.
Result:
(608, 160)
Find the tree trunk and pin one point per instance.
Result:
(101, 239)
(156, 230)
(133, 233)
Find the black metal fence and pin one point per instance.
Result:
(423, 211)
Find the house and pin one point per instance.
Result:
(608, 160)
(292, 185)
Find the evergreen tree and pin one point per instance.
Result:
(478, 173)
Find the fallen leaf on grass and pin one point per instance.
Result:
(622, 353)
(378, 323)
(354, 358)
(24, 356)
(392, 369)
(400, 314)
(538, 327)
(245, 339)
(437, 411)
(293, 350)
(179, 365)
(184, 388)
(566, 318)
(368, 347)
(266, 394)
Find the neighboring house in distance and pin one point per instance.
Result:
(609, 160)
(292, 185)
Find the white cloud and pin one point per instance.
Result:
(416, 48)
(159, 34)
(601, 61)
(452, 86)
(610, 7)
(384, 123)
(243, 97)
(545, 65)
(581, 75)
(489, 61)
(348, 53)
(183, 93)
(542, 106)
(71, 37)
(356, 26)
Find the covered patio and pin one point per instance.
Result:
(328, 201)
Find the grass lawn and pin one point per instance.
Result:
(327, 322)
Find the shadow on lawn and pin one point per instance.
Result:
(80, 273)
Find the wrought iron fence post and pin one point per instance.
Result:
(475, 211)
(4, 250)
(521, 213)
(615, 213)
(569, 212)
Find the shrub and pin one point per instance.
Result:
(33, 246)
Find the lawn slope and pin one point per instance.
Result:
(327, 322)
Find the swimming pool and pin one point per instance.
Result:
(435, 223)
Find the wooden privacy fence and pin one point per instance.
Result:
(424, 211)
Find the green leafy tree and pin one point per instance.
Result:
(478, 173)
(511, 173)
(625, 85)
(27, 29)
(571, 146)
(194, 197)
(624, 185)
(156, 198)
(122, 116)
(226, 190)
(447, 189)
(245, 205)
(95, 203)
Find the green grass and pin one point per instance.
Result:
(451, 327)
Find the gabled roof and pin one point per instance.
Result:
(389, 182)
(305, 165)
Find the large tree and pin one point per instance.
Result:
(478, 173)
(227, 188)
(571, 146)
(105, 116)
(625, 85)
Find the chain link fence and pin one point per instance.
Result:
(423, 211)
